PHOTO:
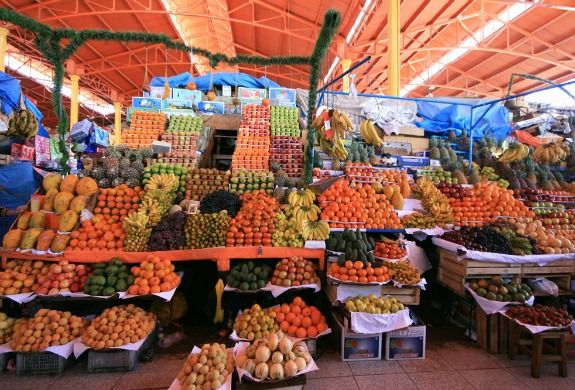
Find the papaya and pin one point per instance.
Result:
(79, 203)
(59, 243)
(397, 201)
(388, 192)
(405, 189)
(68, 220)
(45, 240)
(69, 184)
(24, 220)
(38, 220)
(51, 181)
(86, 186)
(62, 201)
(49, 199)
(29, 238)
(12, 239)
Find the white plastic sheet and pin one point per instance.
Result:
(379, 323)
(5, 348)
(492, 307)
(80, 347)
(21, 298)
(538, 329)
(63, 350)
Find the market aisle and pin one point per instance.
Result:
(448, 365)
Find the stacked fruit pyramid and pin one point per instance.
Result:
(145, 127)
(182, 133)
(253, 144)
(286, 144)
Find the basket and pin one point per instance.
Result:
(114, 360)
(39, 363)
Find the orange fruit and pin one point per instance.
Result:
(301, 333)
(312, 331)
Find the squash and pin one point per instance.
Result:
(24, 220)
(79, 203)
(30, 237)
(86, 186)
(38, 220)
(299, 348)
(62, 201)
(12, 239)
(249, 366)
(49, 199)
(45, 240)
(59, 243)
(68, 220)
(69, 184)
(276, 371)
(300, 363)
(290, 369)
(277, 357)
(51, 181)
(285, 345)
(273, 341)
(262, 354)
(262, 370)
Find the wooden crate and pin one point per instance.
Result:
(491, 331)
(406, 295)
(554, 267)
(562, 281)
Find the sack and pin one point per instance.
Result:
(544, 286)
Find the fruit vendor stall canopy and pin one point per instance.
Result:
(10, 96)
(455, 114)
(203, 82)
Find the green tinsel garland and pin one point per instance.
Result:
(48, 43)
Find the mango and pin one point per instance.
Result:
(30, 237)
(24, 220)
(79, 203)
(12, 239)
(59, 243)
(49, 199)
(38, 220)
(69, 184)
(68, 220)
(51, 181)
(45, 240)
(62, 201)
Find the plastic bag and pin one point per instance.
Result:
(544, 286)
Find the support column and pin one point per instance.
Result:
(3, 43)
(74, 99)
(393, 60)
(345, 64)
(117, 123)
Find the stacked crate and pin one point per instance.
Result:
(253, 144)
(145, 128)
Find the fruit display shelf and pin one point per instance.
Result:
(202, 181)
(145, 127)
(253, 143)
(288, 153)
(185, 124)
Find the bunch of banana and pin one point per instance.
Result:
(551, 153)
(433, 201)
(369, 133)
(515, 152)
(165, 199)
(315, 230)
(304, 197)
(418, 220)
(219, 316)
(306, 213)
(339, 124)
(164, 182)
(22, 124)
(138, 232)
(151, 207)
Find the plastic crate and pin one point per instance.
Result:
(39, 363)
(113, 360)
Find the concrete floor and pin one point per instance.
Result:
(449, 365)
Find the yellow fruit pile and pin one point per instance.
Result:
(207, 369)
(119, 325)
(47, 328)
(21, 276)
(6, 328)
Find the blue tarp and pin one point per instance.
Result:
(203, 82)
(10, 96)
(448, 114)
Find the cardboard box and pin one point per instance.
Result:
(411, 130)
(355, 346)
(407, 343)
(418, 144)
(157, 92)
(187, 94)
(175, 104)
(146, 102)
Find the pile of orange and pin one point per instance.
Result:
(153, 276)
(101, 233)
(486, 202)
(357, 206)
(300, 320)
(355, 271)
(121, 200)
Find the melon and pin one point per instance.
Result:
(12, 239)
(68, 220)
(49, 199)
(79, 203)
(69, 184)
(51, 181)
(59, 243)
(62, 201)
(86, 186)
(45, 240)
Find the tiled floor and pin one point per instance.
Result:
(449, 365)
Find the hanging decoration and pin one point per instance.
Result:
(49, 42)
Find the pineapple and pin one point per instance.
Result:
(131, 173)
(138, 163)
(280, 178)
(110, 151)
(122, 149)
(117, 181)
(147, 153)
(111, 162)
(98, 173)
(104, 183)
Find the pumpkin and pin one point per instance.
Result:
(191, 85)
(62, 201)
(12, 239)
(69, 184)
(262, 354)
(262, 370)
(211, 95)
(38, 220)
(300, 363)
(86, 186)
(51, 181)
(49, 199)
(276, 371)
(290, 368)
(277, 357)
(24, 220)
(285, 345)
(265, 102)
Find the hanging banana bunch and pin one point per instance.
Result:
(551, 153)
(369, 133)
(332, 140)
(515, 152)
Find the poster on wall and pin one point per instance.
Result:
(208, 107)
(282, 97)
(251, 93)
(141, 102)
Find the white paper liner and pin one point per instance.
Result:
(61, 350)
(80, 347)
(392, 260)
(499, 257)
(421, 284)
(345, 291)
(21, 298)
(379, 323)
(227, 385)
(55, 253)
(538, 329)
(68, 294)
(347, 282)
(37, 252)
(241, 348)
(314, 244)
(436, 231)
(276, 291)
(166, 295)
(5, 348)
(491, 307)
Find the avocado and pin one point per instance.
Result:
(111, 270)
(481, 292)
(116, 261)
(491, 296)
(244, 286)
(250, 265)
(122, 275)
(525, 287)
(111, 280)
(253, 286)
(362, 257)
(98, 272)
(511, 290)
(499, 297)
(341, 245)
(370, 257)
(121, 285)
(244, 269)
(519, 298)
(99, 280)
(100, 265)
(261, 283)
(331, 244)
(130, 279)
(341, 260)
(108, 291)
(234, 284)
(474, 286)
(96, 290)
(123, 268)
(253, 278)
